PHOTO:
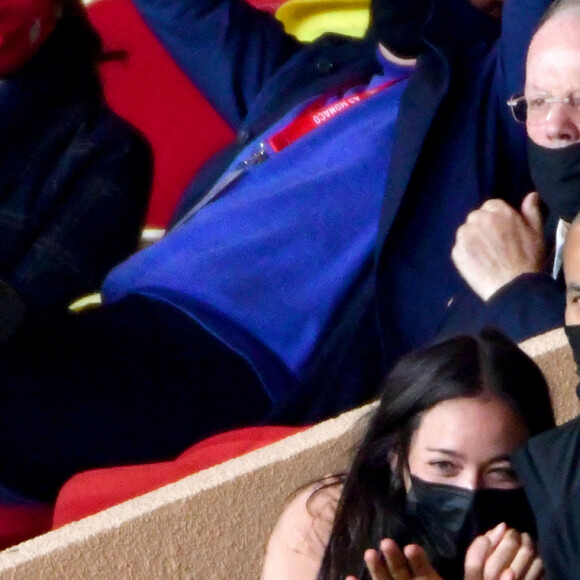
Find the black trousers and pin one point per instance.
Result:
(132, 382)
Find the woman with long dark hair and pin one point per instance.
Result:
(74, 177)
(432, 470)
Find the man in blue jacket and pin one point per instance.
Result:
(455, 145)
(302, 261)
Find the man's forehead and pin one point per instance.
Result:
(565, 23)
(554, 54)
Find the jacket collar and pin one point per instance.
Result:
(326, 65)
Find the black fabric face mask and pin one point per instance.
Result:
(556, 174)
(397, 25)
(445, 519)
(573, 333)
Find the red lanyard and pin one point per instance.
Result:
(318, 114)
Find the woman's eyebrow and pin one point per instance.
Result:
(446, 452)
(457, 455)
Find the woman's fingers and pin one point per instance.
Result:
(391, 566)
(395, 559)
(475, 558)
(502, 557)
(524, 557)
(514, 557)
(375, 565)
(536, 570)
(495, 535)
(421, 568)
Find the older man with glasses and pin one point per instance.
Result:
(549, 465)
(518, 254)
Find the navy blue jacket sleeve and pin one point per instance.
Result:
(530, 305)
(227, 48)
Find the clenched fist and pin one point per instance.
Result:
(496, 244)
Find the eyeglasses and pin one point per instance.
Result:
(535, 110)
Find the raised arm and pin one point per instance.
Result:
(227, 48)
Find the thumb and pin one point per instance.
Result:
(531, 211)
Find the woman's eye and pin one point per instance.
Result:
(506, 474)
(446, 467)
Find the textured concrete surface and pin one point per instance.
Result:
(554, 356)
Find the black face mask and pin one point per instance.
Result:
(556, 173)
(573, 334)
(397, 25)
(445, 520)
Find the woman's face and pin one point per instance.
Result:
(467, 442)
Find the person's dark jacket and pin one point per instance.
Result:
(455, 146)
(549, 467)
(74, 178)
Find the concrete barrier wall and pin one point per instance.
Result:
(214, 524)
(553, 355)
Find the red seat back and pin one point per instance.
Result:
(151, 92)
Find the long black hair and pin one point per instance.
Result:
(373, 498)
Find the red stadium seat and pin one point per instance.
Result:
(149, 90)
(92, 491)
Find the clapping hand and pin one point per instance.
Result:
(500, 554)
(409, 564)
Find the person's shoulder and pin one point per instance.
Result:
(564, 435)
(302, 531)
(548, 463)
(104, 129)
(310, 514)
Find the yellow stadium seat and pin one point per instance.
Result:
(308, 19)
